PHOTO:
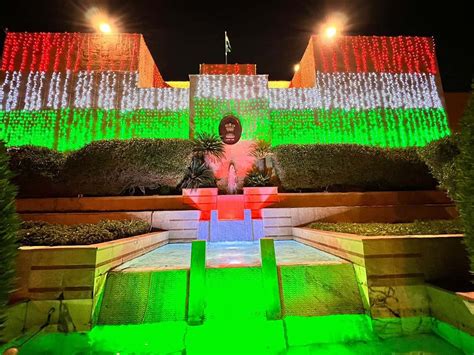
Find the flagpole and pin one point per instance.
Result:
(225, 46)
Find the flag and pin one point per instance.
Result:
(227, 43)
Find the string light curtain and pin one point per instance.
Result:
(66, 90)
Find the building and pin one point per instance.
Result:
(64, 90)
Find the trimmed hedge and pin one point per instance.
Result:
(37, 171)
(42, 233)
(347, 167)
(465, 176)
(440, 156)
(102, 168)
(450, 226)
(8, 238)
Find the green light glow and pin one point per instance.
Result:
(197, 282)
(270, 278)
(71, 129)
(378, 127)
(343, 334)
(253, 115)
(144, 297)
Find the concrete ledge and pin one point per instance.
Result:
(452, 308)
(285, 200)
(392, 270)
(72, 271)
(69, 276)
(90, 204)
(374, 198)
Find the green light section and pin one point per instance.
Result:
(253, 115)
(144, 297)
(235, 294)
(342, 334)
(454, 336)
(270, 278)
(377, 127)
(71, 129)
(328, 329)
(197, 282)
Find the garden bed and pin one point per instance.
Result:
(38, 233)
(428, 227)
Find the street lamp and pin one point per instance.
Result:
(330, 31)
(105, 27)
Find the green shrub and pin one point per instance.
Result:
(205, 144)
(8, 238)
(42, 233)
(36, 171)
(257, 178)
(198, 174)
(465, 177)
(440, 157)
(114, 167)
(346, 167)
(451, 226)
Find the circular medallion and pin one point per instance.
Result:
(230, 129)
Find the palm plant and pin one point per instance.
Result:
(257, 178)
(261, 149)
(198, 174)
(206, 144)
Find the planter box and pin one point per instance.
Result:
(456, 309)
(73, 276)
(392, 271)
(48, 272)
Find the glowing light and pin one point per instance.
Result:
(296, 67)
(330, 31)
(100, 20)
(334, 24)
(105, 28)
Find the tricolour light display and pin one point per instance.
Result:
(66, 90)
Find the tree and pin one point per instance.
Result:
(8, 236)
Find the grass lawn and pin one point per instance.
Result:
(453, 226)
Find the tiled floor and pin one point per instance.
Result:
(229, 254)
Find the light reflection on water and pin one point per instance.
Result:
(223, 254)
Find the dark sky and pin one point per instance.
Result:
(272, 34)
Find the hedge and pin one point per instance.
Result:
(37, 171)
(8, 238)
(102, 168)
(440, 157)
(346, 167)
(42, 233)
(465, 177)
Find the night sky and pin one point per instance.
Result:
(272, 34)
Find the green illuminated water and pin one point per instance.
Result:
(344, 334)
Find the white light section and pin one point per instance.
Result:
(373, 90)
(294, 98)
(134, 98)
(106, 90)
(361, 91)
(119, 90)
(232, 87)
